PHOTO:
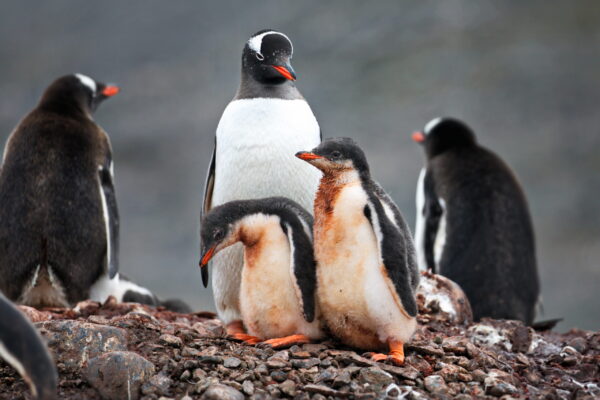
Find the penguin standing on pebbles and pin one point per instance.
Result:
(366, 268)
(260, 130)
(473, 223)
(23, 348)
(59, 235)
(277, 293)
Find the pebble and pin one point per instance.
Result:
(170, 340)
(375, 376)
(288, 388)
(248, 387)
(307, 363)
(232, 362)
(276, 363)
(221, 392)
(435, 384)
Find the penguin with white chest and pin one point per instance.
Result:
(366, 269)
(59, 236)
(277, 293)
(473, 223)
(260, 130)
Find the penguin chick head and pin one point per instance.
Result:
(336, 156)
(266, 57)
(218, 231)
(76, 92)
(441, 134)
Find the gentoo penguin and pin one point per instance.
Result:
(473, 223)
(277, 292)
(23, 348)
(60, 225)
(366, 268)
(267, 121)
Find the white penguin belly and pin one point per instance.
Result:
(355, 299)
(269, 304)
(420, 225)
(257, 140)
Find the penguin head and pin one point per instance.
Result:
(266, 57)
(218, 231)
(441, 134)
(334, 156)
(76, 92)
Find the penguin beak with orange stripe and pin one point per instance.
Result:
(418, 137)
(286, 71)
(103, 92)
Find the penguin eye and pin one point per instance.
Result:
(260, 57)
(218, 234)
(336, 154)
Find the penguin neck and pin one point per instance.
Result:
(250, 88)
(255, 228)
(65, 106)
(339, 178)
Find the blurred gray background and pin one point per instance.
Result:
(524, 75)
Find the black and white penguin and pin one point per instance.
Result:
(22, 347)
(366, 268)
(473, 223)
(267, 121)
(59, 237)
(277, 291)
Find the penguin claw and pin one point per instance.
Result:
(287, 341)
(248, 339)
(378, 356)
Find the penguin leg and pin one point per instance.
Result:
(287, 341)
(396, 355)
(234, 327)
(248, 339)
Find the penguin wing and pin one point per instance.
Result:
(302, 267)
(209, 185)
(393, 213)
(23, 348)
(111, 216)
(433, 214)
(393, 251)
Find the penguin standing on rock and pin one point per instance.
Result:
(366, 268)
(473, 223)
(23, 348)
(277, 293)
(260, 130)
(60, 224)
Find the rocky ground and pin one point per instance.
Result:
(120, 351)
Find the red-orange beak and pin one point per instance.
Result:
(207, 256)
(418, 137)
(307, 155)
(287, 74)
(110, 90)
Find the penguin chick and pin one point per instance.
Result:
(270, 116)
(366, 269)
(59, 235)
(473, 223)
(277, 299)
(23, 348)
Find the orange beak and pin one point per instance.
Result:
(110, 90)
(418, 137)
(284, 71)
(307, 155)
(206, 257)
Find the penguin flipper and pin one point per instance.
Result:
(392, 247)
(209, 185)
(112, 216)
(433, 215)
(302, 268)
(23, 348)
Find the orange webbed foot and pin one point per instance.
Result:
(235, 327)
(248, 339)
(287, 341)
(378, 356)
(397, 352)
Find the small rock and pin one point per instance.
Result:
(170, 340)
(579, 344)
(375, 376)
(276, 363)
(320, 389)
(435, 384)
(231, 362)
(343, 378)
(118, 374)
(190, 352)
(281, 355)
(248, 387)
(288, 388)
(221, 392)
(307, 363)
(199, 374)
(501, 388)
(279, 375)
(158, 384)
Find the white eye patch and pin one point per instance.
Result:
(255, 42)
(431, 124)
(87, 81)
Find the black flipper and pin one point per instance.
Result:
(393, 250)
(303, 265)
(433, 215)
(108, 191)
(23, 348)
(209, 185)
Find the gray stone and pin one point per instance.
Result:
(170, 340)
(231, 362)
(375, 376)
(221, 392)
(288, 388)
(435, 384)
(118, 374)
(73, 343)
(248, 387)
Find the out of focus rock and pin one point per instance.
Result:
(439, 297)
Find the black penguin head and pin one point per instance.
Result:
(76, 93)
(266, 57)
(442, 134)
(217, 232)
(337, 155)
